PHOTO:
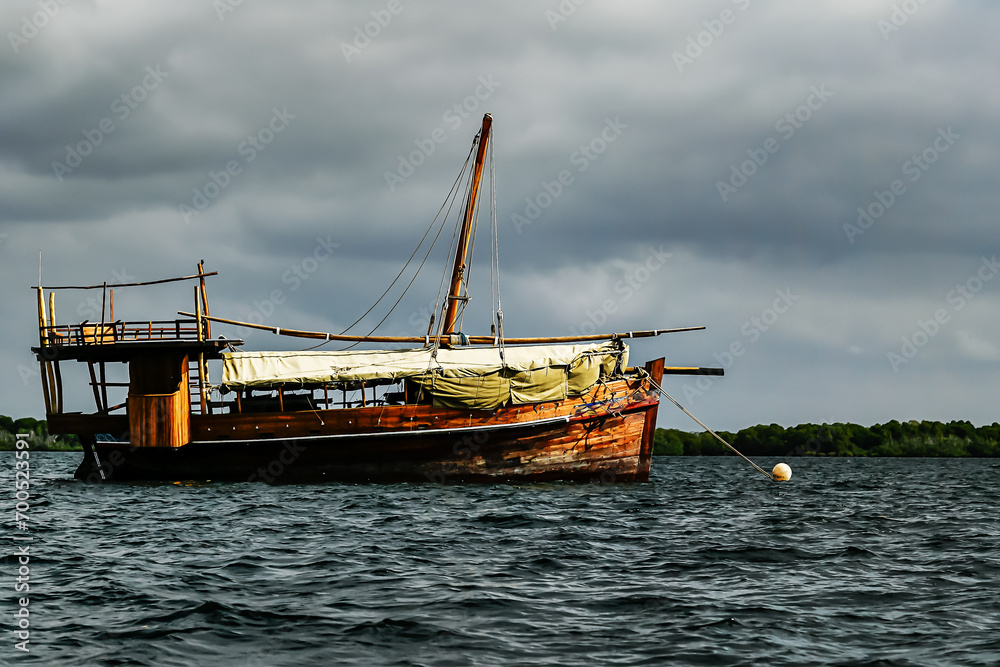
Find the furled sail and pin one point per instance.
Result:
(475, 378)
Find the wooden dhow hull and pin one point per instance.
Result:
(604, 436)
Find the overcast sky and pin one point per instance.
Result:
(817, 183)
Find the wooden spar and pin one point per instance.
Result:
(57, 390)
(104, 387)
(473, 340)
(459, 271)
(204, 297)
(43, 366)
(201, 356)
(197, 313)
(102, 369)
(207, 327)
(41, 318)
(93, 384)
(59, 387)
(151, 282)
(692, 370)
(104, 302)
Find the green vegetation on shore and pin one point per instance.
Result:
(38, 431)
(894, 438)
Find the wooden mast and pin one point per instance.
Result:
(458, 273)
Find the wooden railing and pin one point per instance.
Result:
(96, 333)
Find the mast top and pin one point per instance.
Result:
(460, 271)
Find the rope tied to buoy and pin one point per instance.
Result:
(718, 437)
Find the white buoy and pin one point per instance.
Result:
(782, 472)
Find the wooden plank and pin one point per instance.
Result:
(158, 420)
(405, 417)
(87, 425)
(655, 370)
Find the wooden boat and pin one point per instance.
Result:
(447, 408)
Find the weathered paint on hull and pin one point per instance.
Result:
(605, 435)
(609, 448)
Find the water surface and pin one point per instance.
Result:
(852, 562)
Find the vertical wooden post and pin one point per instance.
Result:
(655, 370)
(104, 303)
(207, 324)
(204, 300)
(52, 309)
(43, 366)
(93, 384)
(104, 388)
(57, 390)
(52, 402)
(197, 314)
(99, 339)
(201, 355)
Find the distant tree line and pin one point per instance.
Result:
(912, 438)
(38, 431)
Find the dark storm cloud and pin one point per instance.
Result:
(739, 136)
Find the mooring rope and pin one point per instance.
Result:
(718, 437)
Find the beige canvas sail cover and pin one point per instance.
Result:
(474, 378)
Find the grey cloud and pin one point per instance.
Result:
(656, 184)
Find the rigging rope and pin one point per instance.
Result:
(422, 239)
(449, 201)
(718, 437)
(495, 249)
(452, 249)
(410, 284)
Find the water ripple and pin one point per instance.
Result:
(853, 562)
